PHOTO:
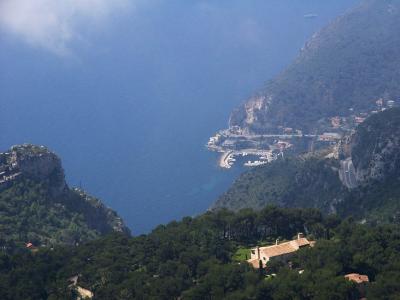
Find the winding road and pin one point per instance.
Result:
(348, 173)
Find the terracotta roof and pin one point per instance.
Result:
(255, 262)
(357, 278)
(284, 248)
(301, 242)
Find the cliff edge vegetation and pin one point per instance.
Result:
(37, 207)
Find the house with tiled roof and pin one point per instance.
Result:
(360, 280)
(357, 278)
(281, 252)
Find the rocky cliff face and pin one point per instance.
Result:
(251, 116)
(32, 162)
(348, 65)
(375, 147)
(37, 205)
(96, 210)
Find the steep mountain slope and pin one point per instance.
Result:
(37, 206)
(375, 152)
(311, 182)
(350, 64)
(375, 147)
(315, 181)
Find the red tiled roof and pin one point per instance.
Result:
(357, 278)
(255, 262)
(284, 248)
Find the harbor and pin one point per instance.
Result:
(251, 149)
(261, 157)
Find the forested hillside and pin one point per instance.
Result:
(313, 180)
(375, 147)
(202, 258)
(348, 65)
(37, 207)
(308, 182)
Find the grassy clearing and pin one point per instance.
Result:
(241, 254)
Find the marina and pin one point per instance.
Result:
(235, 143)
(261, 157)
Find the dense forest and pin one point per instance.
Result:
(30, 214)
(203, 258)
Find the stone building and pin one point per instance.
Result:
(278, 252)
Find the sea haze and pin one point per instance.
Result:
(131, 109)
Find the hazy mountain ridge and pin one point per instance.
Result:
(37, 206)
(348, 65)
(314, 181)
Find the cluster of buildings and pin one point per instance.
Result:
(331, 137)
(346, 123)
(235, 141)
(337, 126)
(290, 130)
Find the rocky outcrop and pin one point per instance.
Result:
(251, 116)
(39, 207)
(98, 211)
(32, 162)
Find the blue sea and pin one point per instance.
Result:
(131, 110)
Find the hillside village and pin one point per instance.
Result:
(236, 144)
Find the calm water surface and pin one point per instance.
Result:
(131, 112)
